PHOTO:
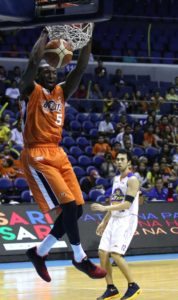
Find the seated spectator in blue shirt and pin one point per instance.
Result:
(138, 134)
(158, 192)
(129, 57)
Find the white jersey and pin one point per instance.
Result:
(119, 190)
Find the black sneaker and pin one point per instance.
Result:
(110, 293)
(132, 292)
(92, 270)
(39, 263)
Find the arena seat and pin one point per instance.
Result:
(101, 198)
(103, 181)
(98, 160)
(21, 184)
(80, 172)
(94, 194)
(72, 160)
(26, 197)
(75, 151)
(68, 141)
(84, 161)
(82, 142)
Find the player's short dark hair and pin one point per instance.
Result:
(128, 153)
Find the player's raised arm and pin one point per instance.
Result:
(74, 77)
(27, 82)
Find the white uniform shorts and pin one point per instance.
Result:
(118, 234)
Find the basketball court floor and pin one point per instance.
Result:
(156, 274)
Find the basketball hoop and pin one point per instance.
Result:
(77, 35)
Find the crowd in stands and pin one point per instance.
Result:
(92, 138)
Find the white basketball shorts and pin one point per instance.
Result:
(118, 234)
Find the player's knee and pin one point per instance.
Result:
(69, 207)
(102, 253)
(114, 254)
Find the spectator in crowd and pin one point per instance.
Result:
(153, 174)
(16, 135)
(89, 182)
(101, 146)
(118, 79)
(129, 57)
(165, 169)
(126, 134)
(157, 136)
(108, 168)
(110, 103)
(100, 70)
(12, 94)
(175, 155)
(120, 126)
(106, 127)
(81, 92)
(171, 95)
(163, 122)
(139, 102)
(158, 192)
(4, 131)
(148, 137)
(168, 136)
(123, 105)
(150, 120)
(143, 159)
(3, 75)
(174, 126)
(6, 119)
(16, 74)
(127, 144)
(138, 134)
(115, 149)
(95, 93)
(141, 174)
(165, 152)
(173, 178)
(156, 101)
(7, 168)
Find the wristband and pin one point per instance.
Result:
(129, 198)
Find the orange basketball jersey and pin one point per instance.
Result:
(43, 117)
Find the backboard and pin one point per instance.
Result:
(14, 15)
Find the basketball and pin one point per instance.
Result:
(58, 53)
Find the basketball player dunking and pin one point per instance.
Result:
(48, 171)
(118, 226)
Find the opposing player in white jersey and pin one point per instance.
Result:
(118, 227)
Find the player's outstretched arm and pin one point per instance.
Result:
(27, 81)
(74, 77)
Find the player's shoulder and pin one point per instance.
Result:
(132, 178)
(116, 178)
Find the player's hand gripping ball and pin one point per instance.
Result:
(58, 53)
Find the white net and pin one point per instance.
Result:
(77, 35)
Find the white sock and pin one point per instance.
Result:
(79, 253)
(46, 245)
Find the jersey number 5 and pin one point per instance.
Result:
(59, 119)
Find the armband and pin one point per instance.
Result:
(129, 198)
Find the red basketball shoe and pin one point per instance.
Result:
(39, 263)
(89, 268)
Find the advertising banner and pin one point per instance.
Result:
(23, 226)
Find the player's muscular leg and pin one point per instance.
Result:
(58, 229)
(122, 264)
(105, 264)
